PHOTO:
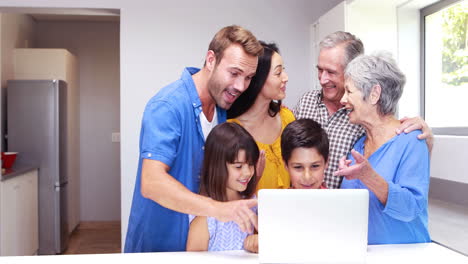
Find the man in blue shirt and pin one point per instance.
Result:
(175, 124)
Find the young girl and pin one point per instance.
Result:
(229, 165)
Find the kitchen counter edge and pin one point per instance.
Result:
(18, 170)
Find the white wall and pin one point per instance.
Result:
(374, 22)
(333, 20)
(16, 32)
(449, 158)
(285, 24)
(96, 46)
(409, 59)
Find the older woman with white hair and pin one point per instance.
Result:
(394, 168)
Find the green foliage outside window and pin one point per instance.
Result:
(455, 41)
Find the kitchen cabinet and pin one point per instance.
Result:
(46, 64)
(19, 221)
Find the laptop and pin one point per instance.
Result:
(312, 226)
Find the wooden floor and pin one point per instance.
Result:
(95, 238)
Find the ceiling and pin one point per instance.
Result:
(67, 14)
(70, 18)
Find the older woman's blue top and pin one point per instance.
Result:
(403, 162)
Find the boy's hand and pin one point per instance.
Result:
(251, 243)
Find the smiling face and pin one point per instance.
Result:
(353, 101)
(239, 175)
(331, 73)
(306, 168)
(275, 84)
(231, 76)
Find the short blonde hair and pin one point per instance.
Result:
(235, 35)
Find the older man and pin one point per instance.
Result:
(175, 124)
(336, 51)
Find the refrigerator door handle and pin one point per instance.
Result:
(58, 186)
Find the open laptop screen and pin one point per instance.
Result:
(312, 226)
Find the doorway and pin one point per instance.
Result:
(93, 37)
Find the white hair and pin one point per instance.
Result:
(353, 45)
(366, 71)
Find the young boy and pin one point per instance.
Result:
(304, 148)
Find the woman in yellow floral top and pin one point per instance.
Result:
(260, 112)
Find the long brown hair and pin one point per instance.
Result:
(247, 98)
(222, 146)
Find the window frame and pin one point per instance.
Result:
(426, 11)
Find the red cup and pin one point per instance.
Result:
(8, 159)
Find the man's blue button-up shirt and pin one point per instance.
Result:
(171, 133)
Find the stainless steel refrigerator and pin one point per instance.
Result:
(37, 129)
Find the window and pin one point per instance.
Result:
(445, 66)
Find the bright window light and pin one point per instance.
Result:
(446, 66)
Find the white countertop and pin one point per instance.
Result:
(17, 170)
(381, 254)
